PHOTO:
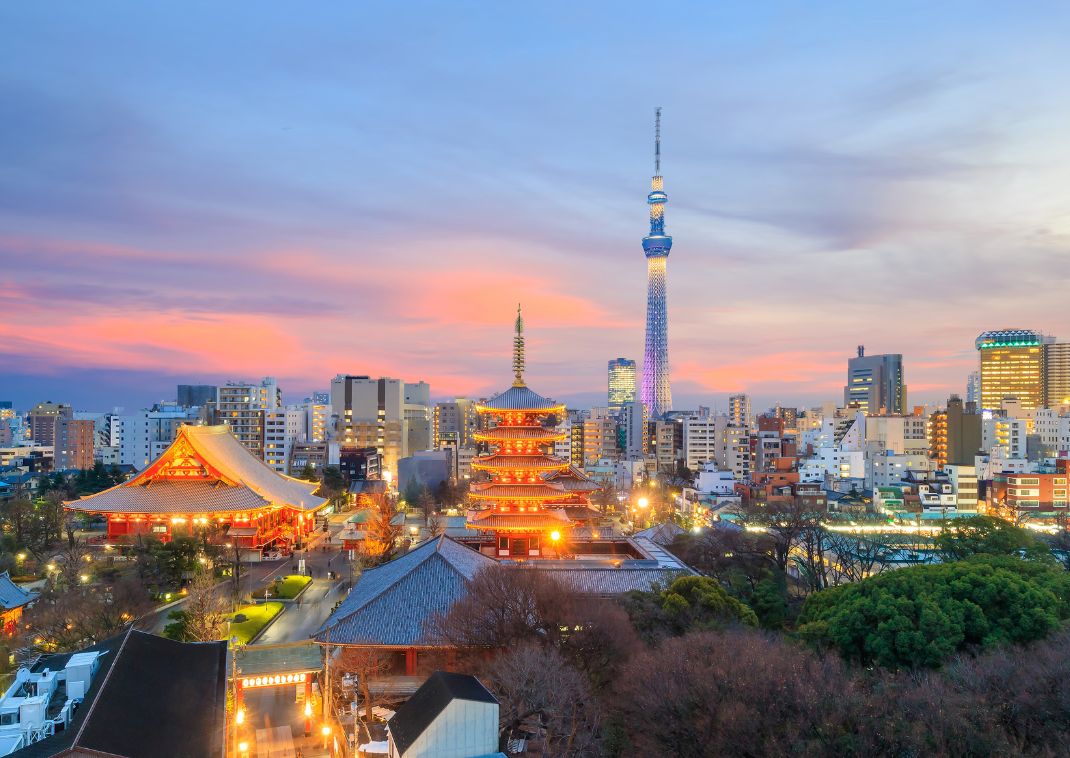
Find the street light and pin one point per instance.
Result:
(308, 718)
(326, 732)
(555, 536)
(243, 748)
(643, 502)
(239, 717)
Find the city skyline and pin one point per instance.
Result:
(247, 214)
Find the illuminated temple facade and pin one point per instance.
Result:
(523, 511)
(206, 482)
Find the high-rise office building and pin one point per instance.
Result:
(973, 388)
(875, 383)
(195, 395)
(621, 383)
(739, 410)
(1012, 365)
(656, 394)
(43, 421)
(1056, 374)
(387, 414)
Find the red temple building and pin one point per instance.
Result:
(206, 480)
(518, 501)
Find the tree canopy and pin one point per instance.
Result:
(986, 535)
(690, 603)
(917, 617)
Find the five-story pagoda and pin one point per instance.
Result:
(517, 513)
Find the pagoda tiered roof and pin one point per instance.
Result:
(507, 491)
(504, 462)
(205, 470)
(524, 521)
(520, 398)
(504, 433)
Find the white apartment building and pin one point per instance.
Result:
(888, 469)
(1053, 429)
(1005, 436)
(242, 407)
(144, 436)
(282, 428)
(833, 463)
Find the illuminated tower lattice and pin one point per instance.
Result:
(517, 499)
(655, 392)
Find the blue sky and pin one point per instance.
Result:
(203, 191)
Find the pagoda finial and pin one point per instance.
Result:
(518, 350)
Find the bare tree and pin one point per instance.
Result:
(205, 610)
(540, 693)
(364, 664)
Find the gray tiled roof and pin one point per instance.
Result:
(610, 581)
(165, 496)
(12, 595)
(391, 604)
(520, 399)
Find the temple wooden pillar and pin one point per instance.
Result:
(410, 662)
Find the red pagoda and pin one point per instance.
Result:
(519, 503)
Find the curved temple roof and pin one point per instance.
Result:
(520, 398)
(205, 466)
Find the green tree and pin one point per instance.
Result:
(919, 616)
(333, 486)
(308, 473)
(987, 535)
(690, 603)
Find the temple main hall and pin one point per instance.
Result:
(207, 483)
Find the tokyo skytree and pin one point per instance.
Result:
(655, 392)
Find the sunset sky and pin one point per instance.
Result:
(196, 192)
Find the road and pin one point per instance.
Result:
(298, 620)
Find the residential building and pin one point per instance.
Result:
(666, 440)
(964, 484)
(633, 419)
(417, 420)
(371, 413)
(600, 440)
(875, 383)
(457, 417)
(1008, 436)
(283, 427)
(195, 395)
(1052, 427)
(897, 434)
(888, 468)
(449, 716)
(963, 432)
(973, 388)
(1012, 365)
(317, 418)
(243, 406)
(1037, 492)
(43, 419)
(702, 435)
(75, 444)
(359, 464)
(739, 410)
(145, 435)
(621, 384)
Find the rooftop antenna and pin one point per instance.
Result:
(657, 140)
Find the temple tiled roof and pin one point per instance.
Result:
(171, 497)
(392, 604)
(205, 469)
(573, 480)
(12, 595)
(527, 520)
(537, 433)
(506, 492)
(520, 398)
(609, 581)
(500, 461)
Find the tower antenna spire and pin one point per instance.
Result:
(657, 141)
(518, 349)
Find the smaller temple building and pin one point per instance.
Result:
(206, 482)
(13, 599)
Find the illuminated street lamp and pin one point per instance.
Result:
(243, 748)
(643, 502)
(308, 718)
(326, 732)
(555, 536)
(239, 717)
